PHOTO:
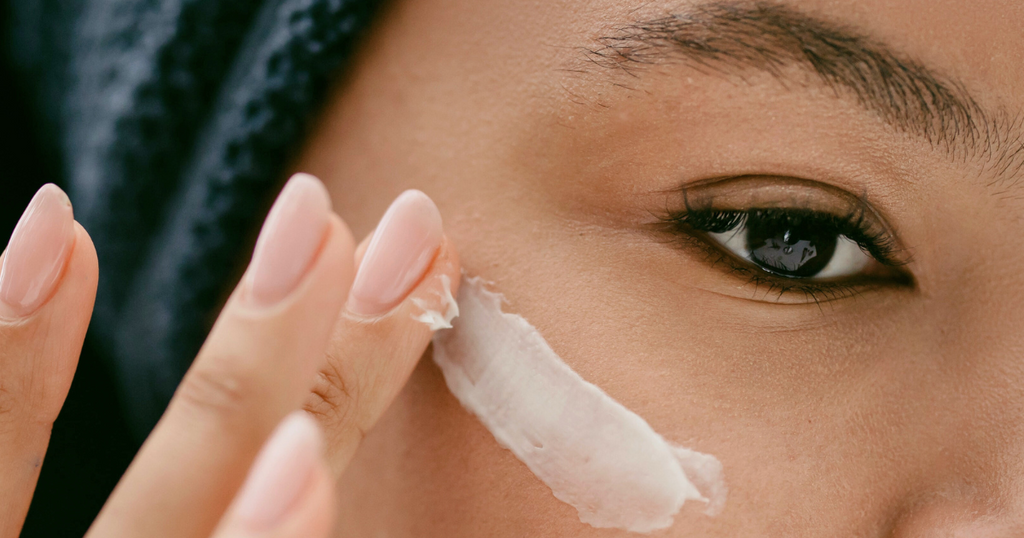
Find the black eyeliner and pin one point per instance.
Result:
(693, 225)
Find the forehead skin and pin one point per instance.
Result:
(890, 414)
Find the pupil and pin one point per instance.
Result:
(792, 245)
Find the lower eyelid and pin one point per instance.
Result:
(768, 287)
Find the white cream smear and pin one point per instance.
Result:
(436, 319)
(592, 452)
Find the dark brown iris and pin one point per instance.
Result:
(792, 244)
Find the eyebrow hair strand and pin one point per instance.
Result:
(726, 37)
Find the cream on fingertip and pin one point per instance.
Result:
(441, 318)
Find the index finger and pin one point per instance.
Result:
(47, 287)
(257, 365)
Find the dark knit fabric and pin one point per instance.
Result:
(172, 122)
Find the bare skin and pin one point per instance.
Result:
(886, 410)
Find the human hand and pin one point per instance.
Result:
(47, 287)
(285, 339)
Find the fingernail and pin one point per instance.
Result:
(37, 252)
(289, 240)
(280, 474)
(400, 251)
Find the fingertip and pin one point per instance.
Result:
(62, 322)
(83, 256)
(309, 180)
(281, 474)
(348, 242)
(37, 254)
(75, 291)
(51, 336)
(289, 492)
(314, 513)
(398, 254)
(361, 248)
(315, 516)
(447, 265)
(452, 265)
(74, 287)
(432, 299)
(340, 253)
(289, 240)
(76, 294)
(331, 266)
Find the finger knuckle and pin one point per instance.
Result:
(218, 391)
(333, 398)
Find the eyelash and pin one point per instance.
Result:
(692, 225)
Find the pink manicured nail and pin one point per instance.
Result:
(290, 239)
(399, 252)
(280, 474)
(37, 252)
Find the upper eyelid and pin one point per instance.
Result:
(674, 221)
(876, 248)
(752, 191)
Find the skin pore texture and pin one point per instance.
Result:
(558, 140)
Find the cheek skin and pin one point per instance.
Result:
(430, 468)
(864, 420)
(772, 415)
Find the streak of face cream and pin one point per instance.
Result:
(436, 319)
(594, 453)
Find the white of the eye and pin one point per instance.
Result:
(735, 240)
(848, 259)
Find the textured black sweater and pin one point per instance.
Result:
(171, 122)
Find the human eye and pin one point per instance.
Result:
(790, 235)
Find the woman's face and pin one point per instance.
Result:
(657, 187)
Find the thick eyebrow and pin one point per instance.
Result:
(722, 37)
